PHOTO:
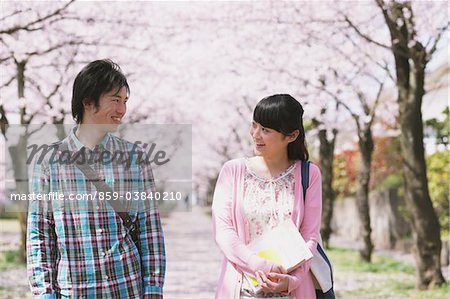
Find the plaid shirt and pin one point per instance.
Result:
(80, 248)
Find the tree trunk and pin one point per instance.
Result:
(59, 124)
(22, 217)
(21, 78)
(362, 194)
(326, 154)
(425, 224)
(410, 61)
(19, 156)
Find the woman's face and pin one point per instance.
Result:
(268, 142)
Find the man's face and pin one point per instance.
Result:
(110, 111)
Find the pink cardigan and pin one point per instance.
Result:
(231, 230)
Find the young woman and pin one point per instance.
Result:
(255, 194)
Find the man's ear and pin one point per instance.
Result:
(87, 104)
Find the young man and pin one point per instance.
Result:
(84, 248)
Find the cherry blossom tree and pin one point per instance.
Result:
(412, 51)
(15, 57)
(208, 64)
(412, 37)
(42, 48)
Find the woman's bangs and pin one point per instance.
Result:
(267, 115)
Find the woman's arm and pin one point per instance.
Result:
(310, 227)
(225, 234)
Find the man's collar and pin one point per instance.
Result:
(75, 144)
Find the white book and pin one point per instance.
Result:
(283, 245)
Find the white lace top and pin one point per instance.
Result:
(267, 203)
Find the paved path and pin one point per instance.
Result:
(193, 259)
(14, 284)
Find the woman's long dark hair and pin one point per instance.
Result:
(284, 114)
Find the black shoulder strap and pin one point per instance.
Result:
(305, 185)
(305, 178)
(101, 186)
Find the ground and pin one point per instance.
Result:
(193, 265)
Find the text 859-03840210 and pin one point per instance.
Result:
(57, 196)
(139, 195)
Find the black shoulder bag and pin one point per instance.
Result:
(321, 257)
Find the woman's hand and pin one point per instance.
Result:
(273, 282)
(278, 269)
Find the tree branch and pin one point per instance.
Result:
(13, 14)
(55, 47)
(27, 27)
(375, 105)
(436, 41)
(367, 38)
(8, 82)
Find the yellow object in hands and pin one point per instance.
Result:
(270, 255)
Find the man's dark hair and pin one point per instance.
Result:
(95, 79)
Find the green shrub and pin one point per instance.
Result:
(438, 174)
(393, 181)
(8, 259)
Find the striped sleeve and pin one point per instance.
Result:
(153, 258)
(41, 237)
